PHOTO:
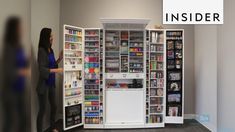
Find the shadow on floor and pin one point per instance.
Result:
(188, 126)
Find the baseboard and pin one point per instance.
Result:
(189, 116)
(209, 126)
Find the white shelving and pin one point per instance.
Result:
(124, 74)
(73, 77)
(155, 83)
(93, 106)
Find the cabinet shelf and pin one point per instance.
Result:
(157, 96)
(74, 104)
(91, 89)
(91, 51)
(112, 56)
(92, 40)
(112, 51)
(71, 70)
(155, 78)
(73, 57)
(92, 35)
(124, 89)
(92, 47)
(73, 42)
(72, 96)
(135, 46)
(138, 51)
(156, 69)
(136, 56)
(156, 113)
(156, 52)
(155, 104)
(136, 41)
(136, 67)
(73, 35)
(159, 43)
(74, 50)
(73, 88)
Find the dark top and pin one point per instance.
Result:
(52, 64)
(21, 62)
(13, 59)
(44, 71)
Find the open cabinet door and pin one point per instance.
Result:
(73, 77)
(93, 78)
(156, 78)
(175, 76)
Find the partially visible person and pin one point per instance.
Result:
(15, 70)
(48, 67)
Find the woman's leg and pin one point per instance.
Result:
(52, 101)
(42, 108)
(21, 112)
(7, 116)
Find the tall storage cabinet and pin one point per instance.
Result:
(175, 76)
(122, 76)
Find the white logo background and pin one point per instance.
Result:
(193, 6)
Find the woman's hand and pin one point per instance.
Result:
(57, 70)
(25, 72)
(60, 57)
(60, 70)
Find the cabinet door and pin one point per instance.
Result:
(93, 79)
(175, 76)
(73, 44)
(155, 104)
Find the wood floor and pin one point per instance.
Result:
(188, 126)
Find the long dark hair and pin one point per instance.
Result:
(12, 36)
(44, 41)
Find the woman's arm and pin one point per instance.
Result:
(56, 70)
(43, 66)
(60, 57)
(26, 72)
(43, 63)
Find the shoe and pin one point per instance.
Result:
(55, 130)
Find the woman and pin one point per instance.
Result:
(15, 71)
(48, 67)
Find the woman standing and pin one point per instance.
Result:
(15, 70)
(48, 67)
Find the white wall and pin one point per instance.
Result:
(223, 37)
(206, 75)
(44, 13)
(226, 70)
(87, 13)
(8, 8)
